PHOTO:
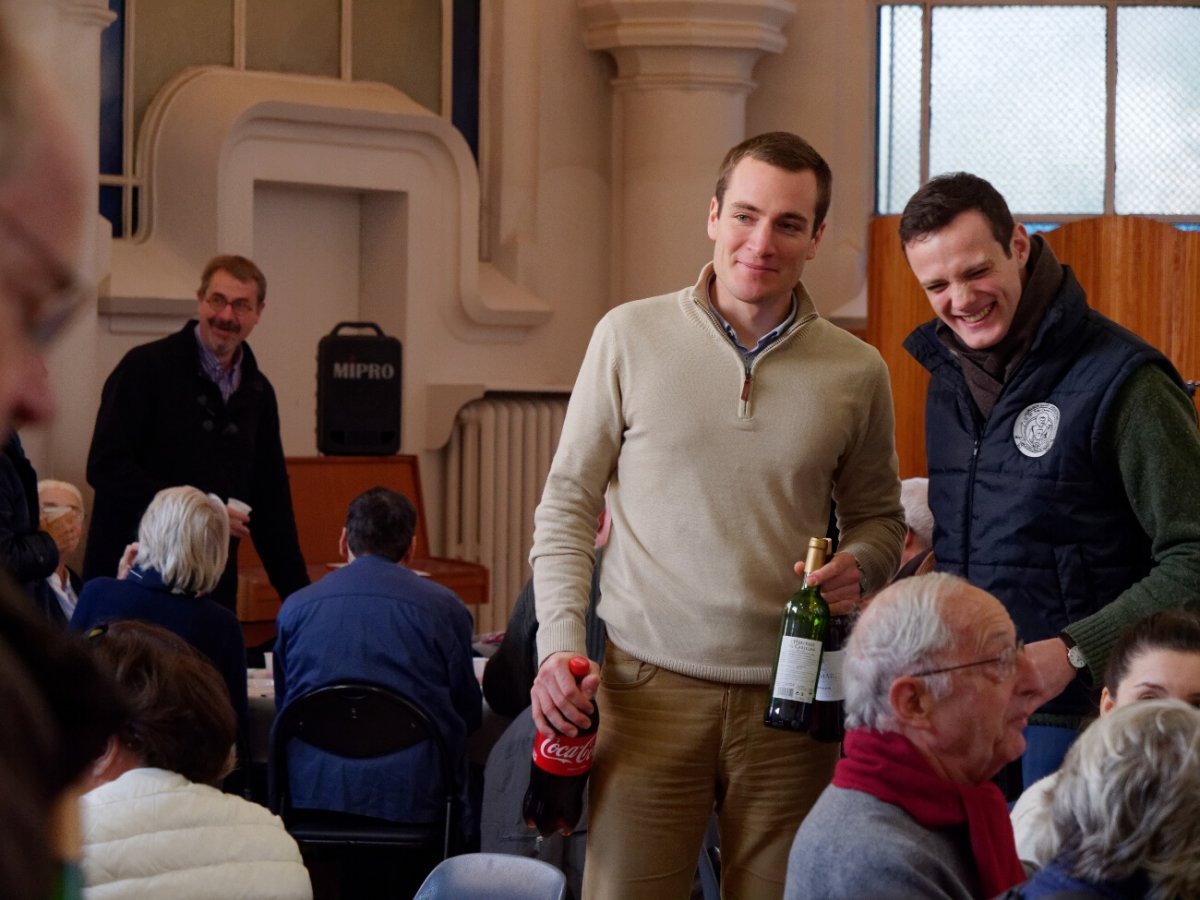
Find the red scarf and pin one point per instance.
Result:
(889, 767)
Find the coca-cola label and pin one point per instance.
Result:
(562, 755)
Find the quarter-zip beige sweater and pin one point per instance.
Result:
(717, 478)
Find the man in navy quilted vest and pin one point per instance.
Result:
(1063, 451)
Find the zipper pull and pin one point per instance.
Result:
(746, 387)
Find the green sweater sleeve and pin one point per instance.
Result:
(1156, 443)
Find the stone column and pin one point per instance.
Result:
(679, 104)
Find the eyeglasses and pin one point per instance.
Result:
(240, 307)
(1005, 663)
(48, 291)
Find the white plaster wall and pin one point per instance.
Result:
(308, 240)
(822, 87)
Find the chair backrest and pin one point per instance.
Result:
(497, 876)
(357, 721)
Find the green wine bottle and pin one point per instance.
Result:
(798, 654)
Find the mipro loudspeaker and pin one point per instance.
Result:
(358, 392)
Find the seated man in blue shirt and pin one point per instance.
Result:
(377, 621)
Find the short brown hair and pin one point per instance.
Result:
(786, 151)
(240, 268)
(944, 198)
(380, 522)
(181, 716)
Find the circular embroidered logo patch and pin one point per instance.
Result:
(1035, 428)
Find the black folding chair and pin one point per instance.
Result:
(359, 721)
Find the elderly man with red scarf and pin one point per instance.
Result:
(938, 691)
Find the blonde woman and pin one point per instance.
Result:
(183, 542)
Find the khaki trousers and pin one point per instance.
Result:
(670, 750)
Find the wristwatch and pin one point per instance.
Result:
(1074, 652)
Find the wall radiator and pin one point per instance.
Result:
(498, 457)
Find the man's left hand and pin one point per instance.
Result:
(1049, 657)
(840, 583)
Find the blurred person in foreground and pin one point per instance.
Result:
(1063, 450)
(60, 507)
(723, 420)
(56, 708)
(1124, 811)
(182, 542)
(938, 691)
(154, 825)
(1155, 658)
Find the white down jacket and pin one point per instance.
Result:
(152, 834)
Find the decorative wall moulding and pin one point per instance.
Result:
(213, 133)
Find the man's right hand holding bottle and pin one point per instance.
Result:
(558, 702)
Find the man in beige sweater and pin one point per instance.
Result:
(722, 419)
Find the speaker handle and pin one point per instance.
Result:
(340, 325)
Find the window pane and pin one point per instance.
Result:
(1158, 110)
(1017, 95)
(301, 37)
(112, 92)
(169, 37)
(899, 148)
(400, 43)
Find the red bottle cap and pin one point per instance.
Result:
(579, 666)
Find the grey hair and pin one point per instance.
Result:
(54, 484)
(901, 630)
(1127, 799)
(914, 497)
(184, 535)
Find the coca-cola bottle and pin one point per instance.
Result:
(559, 772)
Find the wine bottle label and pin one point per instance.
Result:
(562, 755)
(829, 683)
(796, 670)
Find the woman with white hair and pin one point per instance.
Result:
(1124, 812)
(183, 542)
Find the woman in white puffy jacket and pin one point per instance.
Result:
(153, 824)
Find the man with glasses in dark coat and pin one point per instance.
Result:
(194, 408)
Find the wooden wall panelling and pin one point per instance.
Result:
(895, 306)
(1143, 274)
